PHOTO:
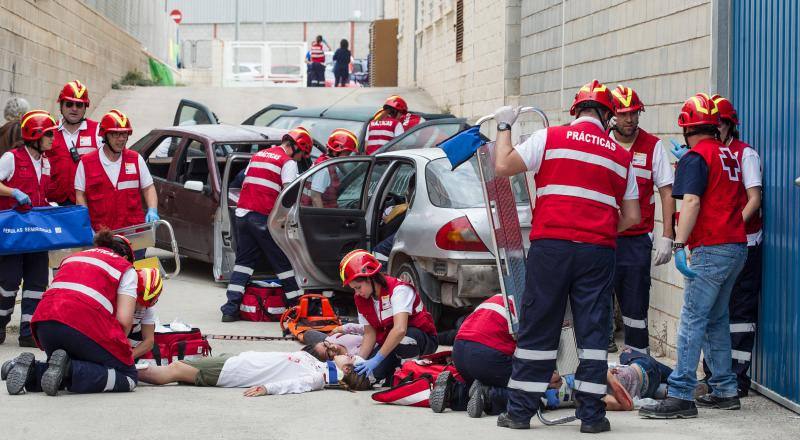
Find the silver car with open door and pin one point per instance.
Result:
(440, 240)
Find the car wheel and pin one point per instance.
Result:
(408, 273)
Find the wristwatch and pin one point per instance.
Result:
(503, 126)
(676, 245)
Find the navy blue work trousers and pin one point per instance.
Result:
(559, 271)
(254, 242)
(93, 369)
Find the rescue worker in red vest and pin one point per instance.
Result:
(82, 325)
(652, 167)
(386, 124)
(322, 193)
(746, 291)
(76, 137)
(392, 313)
(317, 59)
(709, 181)
(148, 291)
(482, 355)
(24, 177)
(111, 181)
(266, 175)
(586, 193)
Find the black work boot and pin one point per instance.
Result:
(21, 369)
(505, 421)
(596, 427)
(669, 408)
(712, 401)
(442, 390)
(7, 366)
(27, 342)
(478, 396)
(230, 318)
(57, 370)
(2, 336)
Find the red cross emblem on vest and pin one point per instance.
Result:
(730, 163)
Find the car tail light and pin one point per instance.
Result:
(459, 235)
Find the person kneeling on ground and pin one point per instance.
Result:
(392, 313)
(262, 373)
(82, 323)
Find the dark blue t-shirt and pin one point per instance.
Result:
(691, 177)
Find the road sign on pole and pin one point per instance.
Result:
(176, 16)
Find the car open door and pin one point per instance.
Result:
(193, 113)
(224, 233)
(321, 217)
(266, 115)
(425, 135)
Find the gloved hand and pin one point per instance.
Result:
(152, 215)
(506, 114)
(663, 250)
(612, 123)
(367, 367)
(551, 396)
(682, 265)
(678, 150)
(21, 197)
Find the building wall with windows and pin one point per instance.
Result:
(429, 34)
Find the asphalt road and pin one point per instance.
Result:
(173, 411)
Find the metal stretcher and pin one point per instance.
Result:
(509, 250)
(141, 236)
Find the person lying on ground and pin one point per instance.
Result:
(343, 340)
(262, 373)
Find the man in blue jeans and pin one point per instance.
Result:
(709, 180)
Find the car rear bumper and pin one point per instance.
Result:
(463, 282)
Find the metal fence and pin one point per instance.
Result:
(145, 20)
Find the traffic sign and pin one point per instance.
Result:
(176, 16)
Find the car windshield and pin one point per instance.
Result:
(461, 188)
(320, 128)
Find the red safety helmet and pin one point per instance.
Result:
(698, 110)
(301, 138)
(726, 109)
(35, 124)
(396, 103)
(626, 100)
(342, 140)
(358, 264)
(115, 121)
(127, 247)
(593, 92)
(74, 91)
(149, 287)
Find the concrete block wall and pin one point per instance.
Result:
(661, 49)
(44, 44)
(470, 88)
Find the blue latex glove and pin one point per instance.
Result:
(552, 398)
(21, 197)
(682, 266)
(367, 367)
(678, 150)
(152, 215)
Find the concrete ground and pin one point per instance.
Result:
(189, 412)
(154, 107)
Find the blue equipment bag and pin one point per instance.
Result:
(44, 229)
(460, 147)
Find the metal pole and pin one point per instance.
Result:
(236, 28)
(264, 21)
